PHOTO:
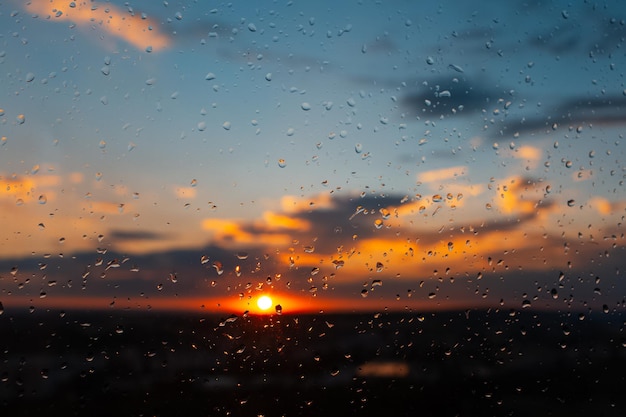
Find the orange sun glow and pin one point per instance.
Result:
(264, 302)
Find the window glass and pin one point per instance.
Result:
(312, 208)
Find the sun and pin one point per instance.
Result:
(264, 302)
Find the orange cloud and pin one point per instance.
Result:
(185, 192)
(514, 196)
(278, 221)
(602, 205)
(229, 233)
(529, 152)
(442, 174)
(136, 30)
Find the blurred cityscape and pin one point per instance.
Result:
(470, 362)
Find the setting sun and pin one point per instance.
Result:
(264, 302)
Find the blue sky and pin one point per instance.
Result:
(424, 137)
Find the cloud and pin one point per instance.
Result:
(188, 193)
(139, 31)
(438, 175)
(122, 235)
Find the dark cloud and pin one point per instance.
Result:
(126, 235)
(454, 93)
(605, 111)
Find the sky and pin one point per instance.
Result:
(338, 156)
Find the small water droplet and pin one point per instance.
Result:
(358, 148)
(20, 119)
(282, 163)
(29, 77)
(178, 16)
(279, 309)
(430, 60)
(305, 106)
(351, 102)
(106, 70)
(526, 303)
(251, 27)
(571, 202)
(209, 76)
(226, 125)
(42, 199)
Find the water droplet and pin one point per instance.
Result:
(151, 81)
(282, 163)
(201, 126)
(219, 268)
(194, 182)
(351, 102)
(42, 199)
(251, 27)
(279, 309)
(364, 293)
(226, 125)
(291, 131)
(526, 304)
(106, 70)
(571, 202)
(102, 144)
(178, 16)
(20, 119)
(554, 293)
(209, 76)
(568, 164)
(378, 223)
(1, 308)
(430, 60)
(104, 100)
(305, 106)
(268, 76)
(29, 77)
(148, 49)
(98, 176)
(456, 68)
(358, 148)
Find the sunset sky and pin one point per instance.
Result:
(338, 156)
